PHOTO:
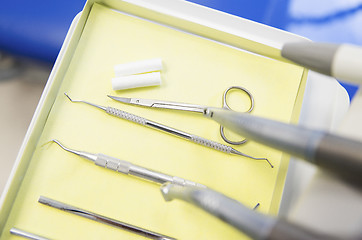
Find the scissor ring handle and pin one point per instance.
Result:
(225, 105)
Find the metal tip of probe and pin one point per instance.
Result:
(92, 104)
(62, 146)
(245, 155)
(86, 155)
(57, 142)
(68, 97)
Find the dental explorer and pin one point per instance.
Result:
(336, 154)
(145, 122)
(129, 168)
(102, 219)
(252, 223)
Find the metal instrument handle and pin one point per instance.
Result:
(210, 144)
(113, 163)
(196, 139)
(125, 115)
(141, 172)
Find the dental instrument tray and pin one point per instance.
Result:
(202, 56)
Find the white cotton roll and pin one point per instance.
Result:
(135, 81)
(144, 66)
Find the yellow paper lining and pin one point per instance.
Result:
(196, 70)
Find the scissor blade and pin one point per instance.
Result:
(160, 104)
(134, 101)
(120, 99)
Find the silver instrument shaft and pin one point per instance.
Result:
(161, 104)
(28, 235)
(194, 138)
(102, 219)
(129, 168)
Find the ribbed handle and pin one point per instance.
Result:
(112, 163)
(210, 144)
(125, 115)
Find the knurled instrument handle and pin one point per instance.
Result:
(113, 163)
(125, 115)
(210, 144)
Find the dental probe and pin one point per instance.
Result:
(145, 122)
(102, 219)
(129, 168)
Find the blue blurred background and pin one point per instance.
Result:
(335, 21)
(36, 29)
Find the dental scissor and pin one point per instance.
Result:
(190, 107)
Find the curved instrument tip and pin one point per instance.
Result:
(264, 159)
(68, 97)
(248, 156)
(271, 165)
(92, 104)
(57, 142)
(61, 145)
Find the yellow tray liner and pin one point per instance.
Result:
(196, 70)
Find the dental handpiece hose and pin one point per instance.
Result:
(339, 155)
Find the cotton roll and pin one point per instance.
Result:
(143, 66)
(135, 81)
